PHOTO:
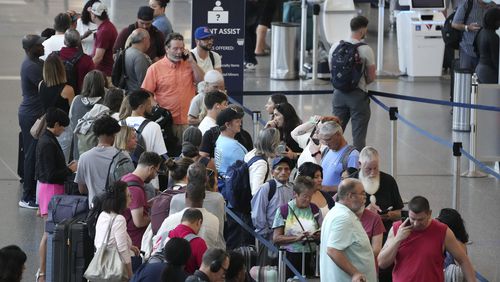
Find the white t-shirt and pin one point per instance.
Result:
(54, 43)
(206, 124)
(209, 230)
(206, 64)
(257, 172)
(88, 42)
(152, 135)
(366, 54)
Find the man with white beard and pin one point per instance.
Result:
(381, 188)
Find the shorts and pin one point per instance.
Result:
(46, 191)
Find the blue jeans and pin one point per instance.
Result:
(29, 145)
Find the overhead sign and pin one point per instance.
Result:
(226, 21)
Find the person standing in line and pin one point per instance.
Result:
(345, 252)
(203, 54)
(30, 110)
(137, 61)
(486, 47)
(355, 104)
(105, 37)
(160, 21)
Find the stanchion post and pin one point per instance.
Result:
(472, 172)
(303, 33)
(394, 140)
(281, 266)
(316, 9)
(316, 270)
(256, 125)
(380, 37)
(456, 175)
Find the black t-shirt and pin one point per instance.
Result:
(198, 276)
(387, 196)
(211, 135)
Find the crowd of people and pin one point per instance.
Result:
(306, 185)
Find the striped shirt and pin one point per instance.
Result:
(476, 16)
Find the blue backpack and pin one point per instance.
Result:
(346, 66)
(237, 191)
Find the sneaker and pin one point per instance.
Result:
(250, 66)
(28, 205)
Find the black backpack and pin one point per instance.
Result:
(69, 66)
(346, 66)
(141, 143)
(118, 73)
(210, 54)
(451, 36)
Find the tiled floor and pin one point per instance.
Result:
(424, 167)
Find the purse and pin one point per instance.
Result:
(38, 127)
(107, 264)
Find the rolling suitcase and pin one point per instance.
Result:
(69, 251)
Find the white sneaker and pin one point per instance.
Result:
(250, 66)
(28, 205)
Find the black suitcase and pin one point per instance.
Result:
(69, 251)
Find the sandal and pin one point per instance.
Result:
(38, 275)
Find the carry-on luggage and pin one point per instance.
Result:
(65, 207)
(69, 251)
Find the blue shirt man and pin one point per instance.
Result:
(263, 206)
(227, 149)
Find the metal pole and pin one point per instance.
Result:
(456, 175)
(380, 37)
(316, 9)
(256, 125)
(303, 33)
(316, 271)
(394, 141)
(281, 266)
(472, 172)
(303, 270)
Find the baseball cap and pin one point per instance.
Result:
(228, 115)
(213, 76)
(145, 13)
(202, 32)
(31, 40)
(98, 8)
(278, 160)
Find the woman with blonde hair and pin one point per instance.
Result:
(54, 92)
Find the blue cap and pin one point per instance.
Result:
(202, 33)
(278, 160)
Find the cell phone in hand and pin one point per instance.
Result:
(408, 223)
(185, 56)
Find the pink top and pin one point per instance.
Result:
(119, 235)
(105, 37)
(372, 223)
(139, 200)
(420, 257)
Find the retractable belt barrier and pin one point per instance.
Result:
(266, 243)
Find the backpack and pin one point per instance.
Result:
(160, 243)
(346, 66)
(163, 118)
(116, 169)
(86, 137)
(118, 72)
(210, 55)
(345, 155)
(160, 207)
(451, 36)
(69, 66)
(237, 191)
(141, 143)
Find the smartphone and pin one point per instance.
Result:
(383, 212)
(315, 141)
(185, 56)
(408, 223)
(281, 148)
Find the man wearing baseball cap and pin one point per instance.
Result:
(29, 110)
(227, 149)
(145, 17)
(204, 57)
(105, 37)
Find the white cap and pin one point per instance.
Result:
(98, 8)
(213, 76)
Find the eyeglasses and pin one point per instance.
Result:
(359, 194)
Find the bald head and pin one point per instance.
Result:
(139, 38)
(348, 186)
(214, 81)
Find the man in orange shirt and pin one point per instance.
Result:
(173, 80)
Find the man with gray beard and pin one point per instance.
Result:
(381, 189)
